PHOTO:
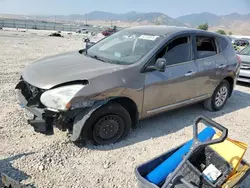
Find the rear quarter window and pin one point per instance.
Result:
(205, 46)
(223, 43)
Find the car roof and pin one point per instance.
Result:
(160, 30)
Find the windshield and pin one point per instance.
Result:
(245, 51)
(124, 47)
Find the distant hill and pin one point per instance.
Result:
(153, 17)
(194, 20)
(237, 17)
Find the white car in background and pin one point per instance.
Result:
(244, 55)
(233, 39)
(82, 30)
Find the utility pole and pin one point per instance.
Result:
(86, 17)
(36, 23)
(55, 24)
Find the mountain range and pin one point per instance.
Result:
(234, 22)
(192, 20)
(152, 17)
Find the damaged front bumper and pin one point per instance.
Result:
(74, 121)
(41, 121)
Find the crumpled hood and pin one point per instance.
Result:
(71, 66)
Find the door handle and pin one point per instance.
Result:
(222, 66)
(190, 73)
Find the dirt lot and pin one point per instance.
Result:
(53, 161)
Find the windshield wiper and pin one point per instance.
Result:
(107, 61)
(98, 58)
(118, 62)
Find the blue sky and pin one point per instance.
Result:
(172, 8)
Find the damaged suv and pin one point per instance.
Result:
(100, 93)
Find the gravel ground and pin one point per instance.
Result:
(53, 161)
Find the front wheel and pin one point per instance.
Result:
(110, 124)
(219, 97)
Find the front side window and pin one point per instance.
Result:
(245, 51)
(124, 47)
(205, 46)
(177, 51)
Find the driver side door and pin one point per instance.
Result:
(174, 87)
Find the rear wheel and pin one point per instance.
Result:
(110, 124)
(219, 97)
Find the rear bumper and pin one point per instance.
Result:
(244, 76)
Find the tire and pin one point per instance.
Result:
(109, 124)
(213, 104)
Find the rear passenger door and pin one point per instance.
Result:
(210, 64)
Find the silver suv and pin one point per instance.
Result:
(100, 93)
(244, 56)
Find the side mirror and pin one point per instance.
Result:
(89, 44)
(160, 64)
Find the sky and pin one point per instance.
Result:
(173, 8)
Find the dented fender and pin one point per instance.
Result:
(82, 117)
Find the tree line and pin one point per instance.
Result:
(220, 31)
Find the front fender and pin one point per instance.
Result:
(81, 118)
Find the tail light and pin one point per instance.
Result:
(239, 59)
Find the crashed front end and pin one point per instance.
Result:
(51, 108)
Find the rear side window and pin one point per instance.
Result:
(177, 51)
(223, 43)
(205, 46)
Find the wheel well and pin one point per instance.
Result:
(231, 82)
(131, 107)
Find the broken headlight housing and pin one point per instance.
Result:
(60, 97)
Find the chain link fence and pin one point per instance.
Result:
(43, 25)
